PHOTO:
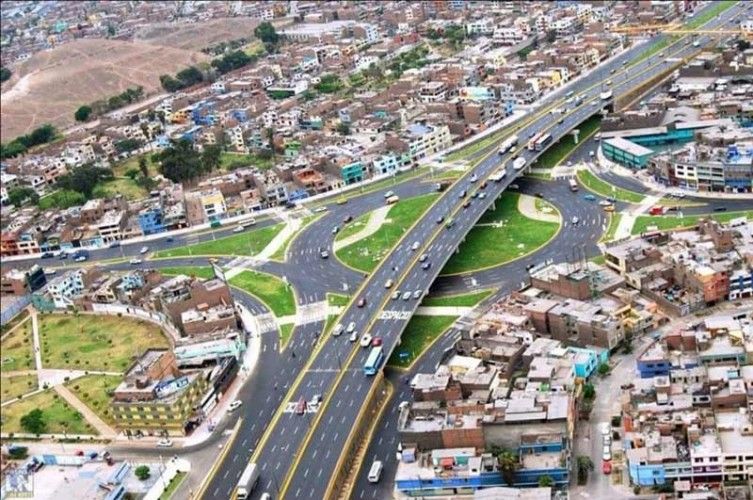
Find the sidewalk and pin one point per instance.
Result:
(292, 225)
(527, 207)
(442, 311)
(625, 228)
(374, 222)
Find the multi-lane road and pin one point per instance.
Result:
(298, 453)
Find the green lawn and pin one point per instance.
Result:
(174, 483)
(270, 289)
(652, 49)
(719, 7)
(501, 236)
(16, 385)
(365, 254)
(598, 186)
(17, 319)
(246, 243)
(120, 185)
(384, 184)
(87, 342)
(286, 331)
(460, 300)
(16, 350)
(614, 222)
(599, 259)
(57, 414)
(231, 161)
(331, 320)
(132, 163)
(94, 392)
(337, 299)
(418, 335)
(353, 227)
(665, 222)
(560, 150)
(204, 272)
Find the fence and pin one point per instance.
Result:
(13, 306)
(136, 312)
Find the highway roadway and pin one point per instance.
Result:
(298, 453)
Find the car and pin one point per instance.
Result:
(611, 71)
(396, 295)
(589, 197)
(605, 203)
(63, 256)
(80, 258)
(531, 134)
(315, 400)
(473, 178)
(575, 220)
(539, 195)
(320, 209)
(606, 453)
(361, 302)
(47, 255)
(605, 429)
(235, 405)
(388, 283)
(426, 265)
(365, 340)
(324, 254)
(135, 262)
(79, 453)
(450, 223)
(335, 230)
(609, 208)
(607, 439)
(606, 467)
(351, 327)
(300, 408)
(353, 337)
(239, 229)
(169, 239)
(376, 341)
(348, 218)
(475, 194)
(462, 194)
(417, 294)
(337, 330)
(114, 244)
(144, 250)
(440, 219)
(560, 120)
(482, 185)
(514, 186)
(720, 209)
(342, 201)
(389, 193)
(414, 246)
(482, 196)
(50, 272)
(406, 295)
(467, 204)
(164, 443)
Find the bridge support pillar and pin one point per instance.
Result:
(576, 134)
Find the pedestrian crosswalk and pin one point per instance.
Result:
(312, 312)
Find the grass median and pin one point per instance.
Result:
(203, 272)
(94, 391)
(337, 299)
(88, 342)
(602, 188)
(247, 243)
(275, 293)
(560, 150)
(57, 415)
(286, 331)
(666, 222)
(614, 223)
(501, 235)
(459, 300)
(419, 333)
(366, 253)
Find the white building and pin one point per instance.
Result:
(425, 140)
(64, 288)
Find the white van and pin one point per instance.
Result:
(375, 472)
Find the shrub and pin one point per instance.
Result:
(142, 472)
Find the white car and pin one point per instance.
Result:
(414, 246)
(607, 439)
(605, 429)
(388, 283)
(575, 220)
(396, 295)
(389, 193)
(406, 295)
(135, 262)
(337, 330)
(353, 336)
(606, 453)
(320, 209)
(235, 405)
(164, 443)
(365, 340)
(144, 250)
(417, 294)
(239, 229)
(351, 327)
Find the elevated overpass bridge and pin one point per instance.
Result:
(306, 456)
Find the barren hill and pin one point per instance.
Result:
(196, 36)
(52, 84)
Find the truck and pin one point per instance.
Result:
(392, 199)
(441, 186)
(247, 481)
(498, 175)
(508, 144)
(658, 210)
(573, 185)
(519, 163)
(606, 95)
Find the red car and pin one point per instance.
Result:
(300, 408)
(376, 341)
(606, 467)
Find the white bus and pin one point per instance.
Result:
(508, 144)
(539, 141)
(375, 472)
(247, 482)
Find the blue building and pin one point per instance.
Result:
(740, 284)
(654, 362)
(586, 360)
(298, 194)
(150, 220)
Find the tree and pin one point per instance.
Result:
(603, 369)
(83, 179)
(589, 392)
(551, 36)
(210, 157)
(546, 481)
(127, 145)
(110, 30)
(179, 162)
(142, 472)
(143, 167)
(508, 464)
(343, 128)
(132, 173)
(82, 113)
(33, 422)
(17, 196)
(270, 133)
(268, 35)
(583, 465)
(4, 73)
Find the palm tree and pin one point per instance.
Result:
(508, 464)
